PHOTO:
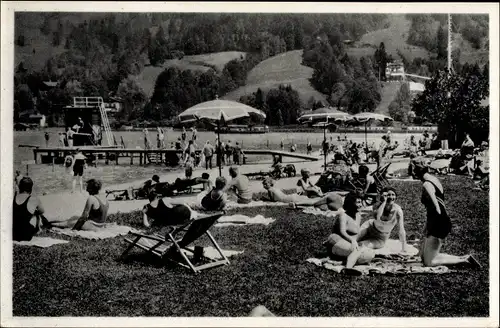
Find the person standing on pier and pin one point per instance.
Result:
(78, 168)
(193, 136)
(183, 134)
(46, 139)
(309, 148)
(161, 138)
(208, 151)
(69, 136)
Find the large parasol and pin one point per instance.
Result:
(326, 116)
(219, 111)
(366, 117)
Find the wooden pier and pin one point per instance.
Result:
(145, 156)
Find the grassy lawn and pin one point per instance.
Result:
(84, 278)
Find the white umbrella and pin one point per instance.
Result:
(218, 110)
(327, 116)
(366, 117)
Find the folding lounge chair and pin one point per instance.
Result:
(174, 247)
(379, 175)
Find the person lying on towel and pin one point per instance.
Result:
(140, 192)
(165, 211)
(239, 186)
(342, 244)
(330, 201)
(307, 188)
(184, 184)
(94, 213)
(26, 212)
(375, 232)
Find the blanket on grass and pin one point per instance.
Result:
(108, 230)
(317, 211)
(239, 219)
(257, 203)
(388, 261)
(42, 242)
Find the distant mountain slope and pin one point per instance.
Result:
(285, 68)
(147, 78)
(388, 93)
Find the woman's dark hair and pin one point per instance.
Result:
(26, 185)
(152, 195)
(363, 170)
(350, 201)
(156, 178)
(94, 186)
(387, 189)
(205, 175)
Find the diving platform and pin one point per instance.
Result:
(144, 156)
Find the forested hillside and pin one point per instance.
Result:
(162, 63)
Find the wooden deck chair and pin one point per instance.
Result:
(379, 175)
(174, 247)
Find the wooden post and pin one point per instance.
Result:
(131, 158)
(35, 154)
(107, 157)
(116, 154)
(140, 158)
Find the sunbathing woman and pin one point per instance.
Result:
(25, 212)
(163, 211)
(374, 233)
(94, 214)
(342, 243)
(330, 201)
(215, 199)
(438, 224)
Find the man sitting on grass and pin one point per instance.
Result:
(239, 186)
(307, 187)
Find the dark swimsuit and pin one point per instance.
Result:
(21, 226)
(163, 215)
(211, 204)
(438, 225)
(99, 215)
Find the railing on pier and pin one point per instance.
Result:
(88, 101)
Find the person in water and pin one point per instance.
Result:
(94, 213)
(342, 244)
(27, 211)
(438, 223)
(374, 233)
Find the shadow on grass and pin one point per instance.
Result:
(85, 278)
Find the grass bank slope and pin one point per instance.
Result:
(285, 68)
(147, 78)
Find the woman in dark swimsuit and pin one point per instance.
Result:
(164, 212)
(438, 224)
(25, 212)
(94, 214)
(216, 198)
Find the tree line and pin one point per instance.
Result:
(103, 52)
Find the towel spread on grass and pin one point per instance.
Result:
(257, 203)
(239, 219)
(388, 260)
(212, 253)
(318, 211)
(42, 242)
(108, 230)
